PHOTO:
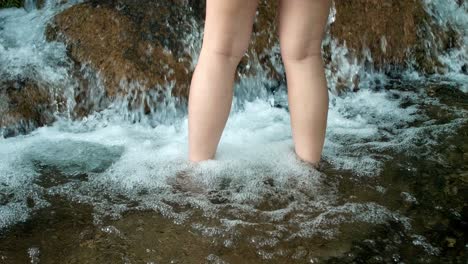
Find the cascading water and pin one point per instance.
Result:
(451, 15)
(30, 5)
(259, 196)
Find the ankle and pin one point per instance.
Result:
(315, 163)
(193, 159)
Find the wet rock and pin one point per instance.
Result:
(144, 43)
(393, 32)
(30, 202)
(451, 242)
(129, 42)
(8, 4)
(5, 198)
(465, 68)
(386, 28)
(25, 105)
(138, 47)
(19, 3)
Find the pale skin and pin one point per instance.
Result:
(228, 27)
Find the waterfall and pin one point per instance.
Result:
(122, 152)
(453, 16)
(30, 5)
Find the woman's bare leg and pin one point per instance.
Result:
(228, 26)
(301, 29)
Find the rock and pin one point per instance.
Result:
(386, 28)
(25, 105)
(129, 42)
(464, 68)
(144, 42)
(450, 242)
(19, 3)
(9, 4)
(141, 47)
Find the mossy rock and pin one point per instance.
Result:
(19, 3)
(11, 3)
(26, 104)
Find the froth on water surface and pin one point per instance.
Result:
(120, 182)
(116, 185)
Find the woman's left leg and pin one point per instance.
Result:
(228, 26)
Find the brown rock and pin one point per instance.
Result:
(127, 39)
(144, 42)
(25, 105)
(391, 30)
(128, 42)
(387, 28)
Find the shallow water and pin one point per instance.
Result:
(115, 187)
(109, 192)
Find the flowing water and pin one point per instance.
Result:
(115, 187)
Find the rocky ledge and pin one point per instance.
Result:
(139, 46)
(146, 41)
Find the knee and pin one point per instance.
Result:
(232, 52)
(229, 46)
(299, 51)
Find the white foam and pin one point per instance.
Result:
(256, 178)
(255, 163)
(24, 51)
(452, 15)
(16, 185)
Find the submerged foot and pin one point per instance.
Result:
(318, 165)
(184, 182)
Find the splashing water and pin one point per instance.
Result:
(30, 5)
(117, 165)
(452, 15)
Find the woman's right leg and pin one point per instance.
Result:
(228, 27)
(301, 29)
